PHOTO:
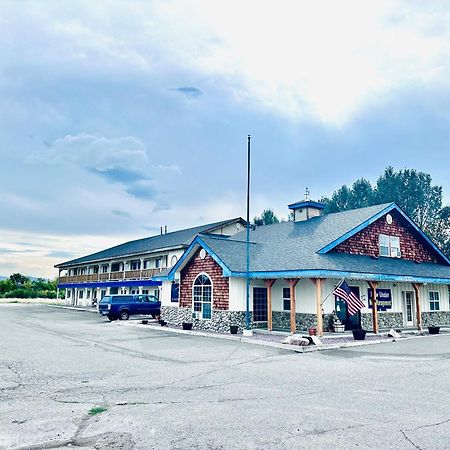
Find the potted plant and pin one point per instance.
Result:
(234, 329)
(433, 329)
(359, 334)
(338, 326)
(187, 325)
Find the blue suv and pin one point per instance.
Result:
(123, 306)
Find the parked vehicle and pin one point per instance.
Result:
(123, 306)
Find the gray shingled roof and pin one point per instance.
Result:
(294, 245)
(180, 238)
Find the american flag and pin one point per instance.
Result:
(354, 304)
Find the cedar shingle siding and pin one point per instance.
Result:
(366, 241)
(220, 284)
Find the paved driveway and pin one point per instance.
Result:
(169, 391)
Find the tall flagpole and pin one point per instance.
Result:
(247, 299)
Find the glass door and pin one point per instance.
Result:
(408, 308)
(259, 304)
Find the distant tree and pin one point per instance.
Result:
(19, 286)
(18, 279)
(411, 190)
(359, 195)
(267, 217)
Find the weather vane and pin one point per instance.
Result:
(306, 194)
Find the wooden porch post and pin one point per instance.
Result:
(416, 287)
(269, 284)
(318, 283)
(292, 283)
(373, 287)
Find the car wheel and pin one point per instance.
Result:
(124, 315)
(110, 317)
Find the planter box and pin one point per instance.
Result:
(434, 330)
(339, 328)
(234, 329)
(187, 326)
(359, 335)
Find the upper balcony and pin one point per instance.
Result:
(143, 274)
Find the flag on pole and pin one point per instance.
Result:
(354, 304)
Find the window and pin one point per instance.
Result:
(202, 294)
(88, 294)
(156, 293)
(103, 293)
(434, 300)
(80, 294)
(105, 268)
(286, 299)
(158, 262)
(115, 267)
(135, 265)
(389, 246)
(175, 292)
(145, 291)
(68, 293)
(95, 269)
(173, 260)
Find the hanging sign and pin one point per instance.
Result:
(384, 299)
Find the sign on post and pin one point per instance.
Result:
(384, 299)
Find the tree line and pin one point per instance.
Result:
(410, 189)
(20, 286)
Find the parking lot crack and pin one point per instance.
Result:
(410, 440)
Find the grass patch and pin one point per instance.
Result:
(96, 410)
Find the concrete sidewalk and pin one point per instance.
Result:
(262, 337)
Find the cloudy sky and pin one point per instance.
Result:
(118, 117)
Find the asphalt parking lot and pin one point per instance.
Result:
(168, 391)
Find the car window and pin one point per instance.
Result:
(152, 298)
(140, 298)
(121, 299)
(105, 299)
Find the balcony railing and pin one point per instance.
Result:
(111, 276)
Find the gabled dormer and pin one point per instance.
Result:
(388, 234)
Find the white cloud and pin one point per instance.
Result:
(95, 152)
(323, 60)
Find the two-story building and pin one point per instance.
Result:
(130, 268)
(401, 276)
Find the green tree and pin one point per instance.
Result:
(18, 279)
(267, 217)
(359, 195)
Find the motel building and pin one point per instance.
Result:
(400, 275)
(130, 268)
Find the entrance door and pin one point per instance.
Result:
(350, 322)
(408, 308)
(259, 304)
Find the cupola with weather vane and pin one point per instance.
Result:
(306, 209)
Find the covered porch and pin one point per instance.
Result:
(299, 303)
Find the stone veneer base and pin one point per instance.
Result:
(435, 318)
(221, 320)
(386, 320)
